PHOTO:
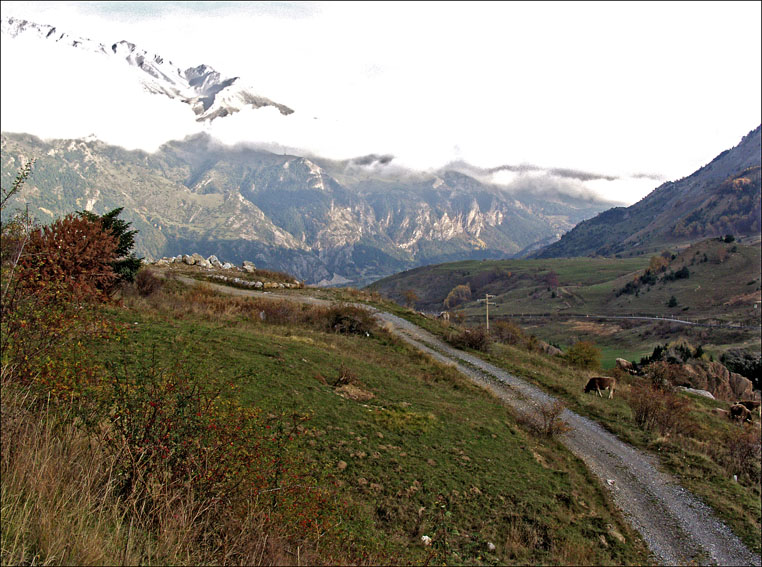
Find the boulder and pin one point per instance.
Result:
(212, 259)
(190, 260)
(162, 262)
(227, 266)
(703, 393)
(248, 266)
(717, 379)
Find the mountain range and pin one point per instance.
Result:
(209, 94)
(330, 222)
(721, 198)
(350, 221)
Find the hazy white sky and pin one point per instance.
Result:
(619, 89)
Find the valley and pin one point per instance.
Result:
(563, 301)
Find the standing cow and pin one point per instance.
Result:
(752, 405)
(599, 383)
(740, 413)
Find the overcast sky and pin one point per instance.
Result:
(635, 93)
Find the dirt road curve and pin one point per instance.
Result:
(677, 527)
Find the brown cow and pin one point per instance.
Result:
(751, 405)
(739, 412)
(599, 383)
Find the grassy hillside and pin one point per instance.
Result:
(687, 435)
(723, 197)
(396, 445)
(552, 297)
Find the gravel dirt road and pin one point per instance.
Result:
(677, 527)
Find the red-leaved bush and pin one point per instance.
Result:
(51, 281)
(73, 252)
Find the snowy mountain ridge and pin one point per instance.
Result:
(202, 88)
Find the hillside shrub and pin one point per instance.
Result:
(739, 452)
(175, 429)
(656, 409)
(477, 338)
(73, 252)
(507, 332)
(348, 319)
(545, 419)
(126, 264)
(146, 283)
(584, 354)
(52, 280)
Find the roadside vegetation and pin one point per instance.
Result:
(692, 437)
(146, 421)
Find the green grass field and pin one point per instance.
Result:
(406, 447)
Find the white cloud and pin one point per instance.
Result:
(54, 93)
(606, 87)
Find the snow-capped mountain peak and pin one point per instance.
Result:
(208, 94)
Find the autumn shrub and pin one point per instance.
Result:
(345, 319)
(147, 283)
(346, 376)
(655, 409)
(663, 375)
(51, 287)
(73, 252)
(476, 338)
(584, 354)
(740, 453)
(459, 294)
(174, 429)
(507, 332)
(545, 419)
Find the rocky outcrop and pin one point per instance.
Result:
(715, 378)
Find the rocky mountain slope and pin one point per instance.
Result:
(209, 94)
(287, 212)
(723, 197)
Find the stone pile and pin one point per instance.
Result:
(214, 262)
(198, 260)
(257, 284)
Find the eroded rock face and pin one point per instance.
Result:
(715, 378)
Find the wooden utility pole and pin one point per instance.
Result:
(487, 303)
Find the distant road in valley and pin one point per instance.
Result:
(632, 317)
